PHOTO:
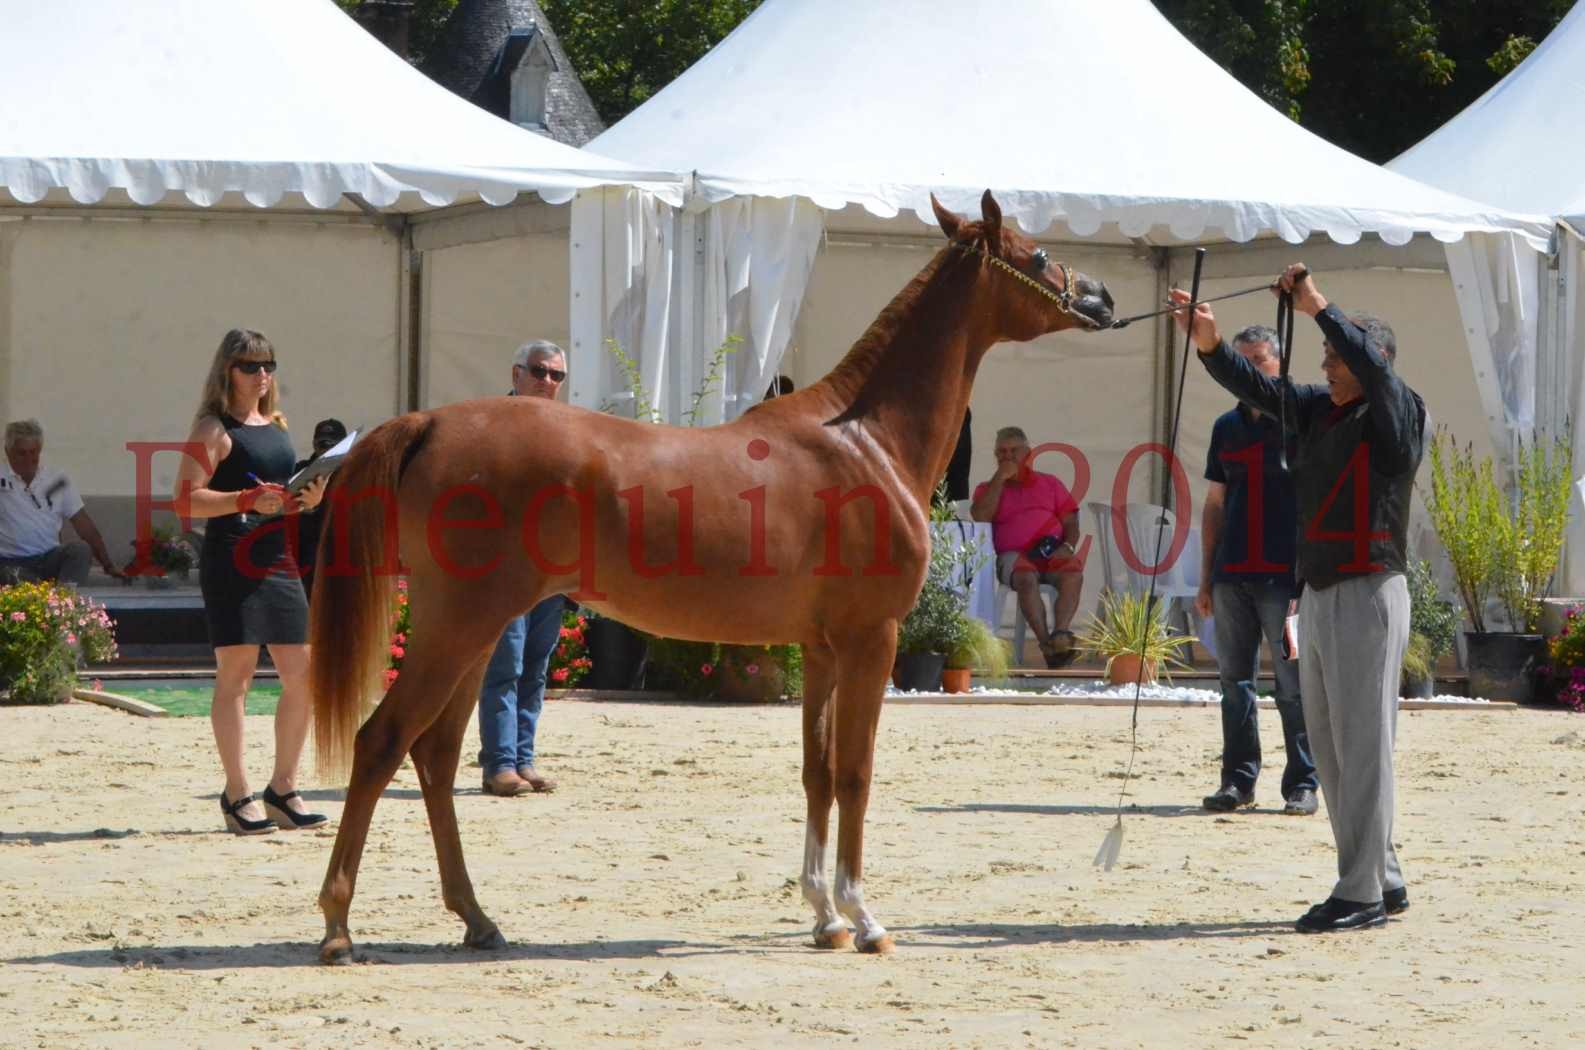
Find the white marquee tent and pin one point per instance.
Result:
(1520, 146)
(1095, 121)
(172, 170)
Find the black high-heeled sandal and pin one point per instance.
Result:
(288, 819)
(236, 823)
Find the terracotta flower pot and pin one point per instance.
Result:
(955, 679)
(1123, 669)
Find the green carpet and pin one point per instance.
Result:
(195, 702)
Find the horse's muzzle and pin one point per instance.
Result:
(1093, 302)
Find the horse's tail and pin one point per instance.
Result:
(355, 587)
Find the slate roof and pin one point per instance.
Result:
(465, 62)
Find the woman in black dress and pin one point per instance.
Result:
(253, 594)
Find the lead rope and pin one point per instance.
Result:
(1112, 845)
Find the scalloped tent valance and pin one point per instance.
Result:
(260, 98)
(1073, 111)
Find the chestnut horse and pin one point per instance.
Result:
(804, 521)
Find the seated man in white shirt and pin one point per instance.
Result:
(34, 504)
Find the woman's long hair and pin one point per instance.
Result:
(239, 343)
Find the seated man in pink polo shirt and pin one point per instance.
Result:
(1035, 529)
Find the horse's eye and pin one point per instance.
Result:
(1037, 261)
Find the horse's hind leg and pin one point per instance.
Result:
(830, 931)
(864, 661)
(419, 695)
(435, 755)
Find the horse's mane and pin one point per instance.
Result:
(853, 377)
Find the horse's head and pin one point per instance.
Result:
(1046, 296)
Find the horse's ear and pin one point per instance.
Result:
(950, 221)
(991, 213)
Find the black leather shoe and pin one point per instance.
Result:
(1335, 914)
(286, 818)
(1227, 798)
(1301, 803)
(1395, 901)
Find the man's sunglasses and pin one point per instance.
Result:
(253, 368)
(555, 375)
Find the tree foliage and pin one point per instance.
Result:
(626, 50)
(1372, 76)
(429, 18)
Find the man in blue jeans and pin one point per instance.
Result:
(514, 681)
(1248, 534)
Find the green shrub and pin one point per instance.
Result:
(44, 630)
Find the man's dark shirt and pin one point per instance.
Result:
(1270, 560)
(1354, 473)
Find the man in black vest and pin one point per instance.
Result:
(1247, 536)
(1359, 442)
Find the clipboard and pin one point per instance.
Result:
(324, 464)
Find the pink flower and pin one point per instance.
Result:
(19, 616)
(400, 639)
(752, 669)
(706, 668)
(397, 652)
(71, 639)
(401, 585)
(559, 674)
(391, 675)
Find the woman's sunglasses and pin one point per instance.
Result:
(555, 375)
(253, 368)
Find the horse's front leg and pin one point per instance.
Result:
(831, 930)
(864, 662)
(435, 755)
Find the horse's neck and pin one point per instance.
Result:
(907, 379)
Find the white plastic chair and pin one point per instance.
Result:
(1019, 626)
(1178, 582)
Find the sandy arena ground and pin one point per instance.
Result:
(651, 901)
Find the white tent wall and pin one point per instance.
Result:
(107, 328)
(1567, 316)
(484, 299)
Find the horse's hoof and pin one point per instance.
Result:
(336, 951)
(882, 945)
(489, 940)
(838, 938)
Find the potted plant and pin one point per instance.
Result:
(1433, 623)
(716, 671)
(617, 653)
(1563, 678)
(1503, 548)
(45, 630)
(569, 661)
(937, 625)
(162, 559)
(1132, 636)
(980, 650)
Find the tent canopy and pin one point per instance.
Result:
(1519, 145)
(1070, 110)
(256, 97)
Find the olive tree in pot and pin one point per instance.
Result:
(1502, 547)
(1433, 622)
(935, 626)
